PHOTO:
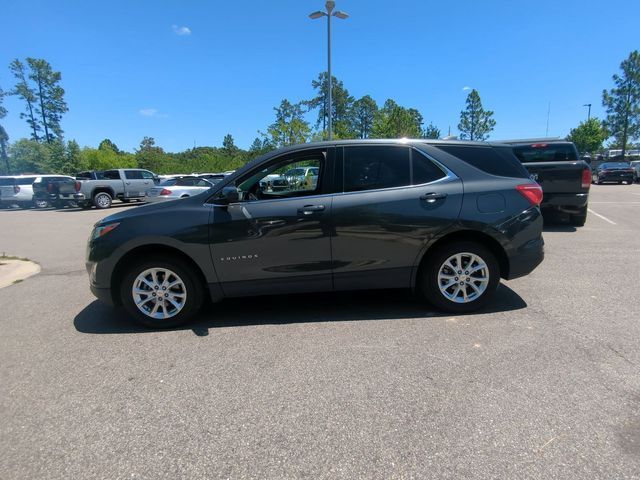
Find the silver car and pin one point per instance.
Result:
(176, 188)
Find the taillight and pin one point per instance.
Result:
(532, 192)
(586, 179)
(16, 189)
(78, 186)
(165, 192)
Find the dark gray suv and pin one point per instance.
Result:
(446, 219)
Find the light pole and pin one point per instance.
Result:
(330, 5)
(588, 114)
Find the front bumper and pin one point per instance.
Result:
(102, 294)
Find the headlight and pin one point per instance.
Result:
(102, 230)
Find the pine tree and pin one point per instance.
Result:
(50, 97)
(623, 102)
(28, 94)
(475, 122)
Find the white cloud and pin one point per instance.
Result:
(181, 30)
(464, 89)
(152, 112)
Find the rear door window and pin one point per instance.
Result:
(499, 161)
(546, 152)
(374, 167)
(110, 175)
(133, 174)
(424, 170)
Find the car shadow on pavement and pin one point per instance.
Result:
(98, 318)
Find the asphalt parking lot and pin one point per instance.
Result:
(543, 384)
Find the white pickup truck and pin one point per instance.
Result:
(100, 188)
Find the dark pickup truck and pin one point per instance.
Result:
(565, 180)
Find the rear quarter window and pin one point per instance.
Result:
(499, 161)
(6, 182)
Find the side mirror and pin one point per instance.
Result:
(228, 195)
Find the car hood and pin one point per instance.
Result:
(154, 207)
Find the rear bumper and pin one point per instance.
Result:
(565, 202)
(614, 178)
(526, 259)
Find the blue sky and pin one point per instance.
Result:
(186, 71)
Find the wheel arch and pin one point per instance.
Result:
(98, 190)
(482, 238)
(142, 251)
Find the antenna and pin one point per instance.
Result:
(548, 114)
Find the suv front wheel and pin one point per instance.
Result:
(460, 277)
(161, 293)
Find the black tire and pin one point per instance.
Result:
(428, 285)
(85, 205)
(102, 200)
(192, 286)
(578, 219)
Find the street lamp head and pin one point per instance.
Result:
(317, 14)
(341, 15)
(330, 5)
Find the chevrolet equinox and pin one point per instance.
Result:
(447, 219)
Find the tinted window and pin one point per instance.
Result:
(146, 175)
(202, 183)
(25, 180)
(169, 182)
(84, 176)
(133, 174)
(498, 161)
(4, 182)
(185, 182)
(616, 165)
(109, 175)
(424, 170)
(373, 167)
(546, 152)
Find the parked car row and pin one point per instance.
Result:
(101, 188)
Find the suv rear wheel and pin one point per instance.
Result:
(161, 292)
(460, 277)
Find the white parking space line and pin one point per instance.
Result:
(632, 193)
(615, 203)
(602, 217)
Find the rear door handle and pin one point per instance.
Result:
(432, 197)
(310, 209)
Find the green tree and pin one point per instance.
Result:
(588, 136)
(73, 157)
(431, 132)
(29, 156)
(107, 144)
(50, 95)
(28, 94)
(149, 155)
(228, 144)
(290, 126)
(394, 121)
(341, 106)
(475, 122)
(622, 102)
(4, 137)
(363, 112)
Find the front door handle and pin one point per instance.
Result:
(310, 209)
(432, 197)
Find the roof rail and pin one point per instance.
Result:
(532, 140)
